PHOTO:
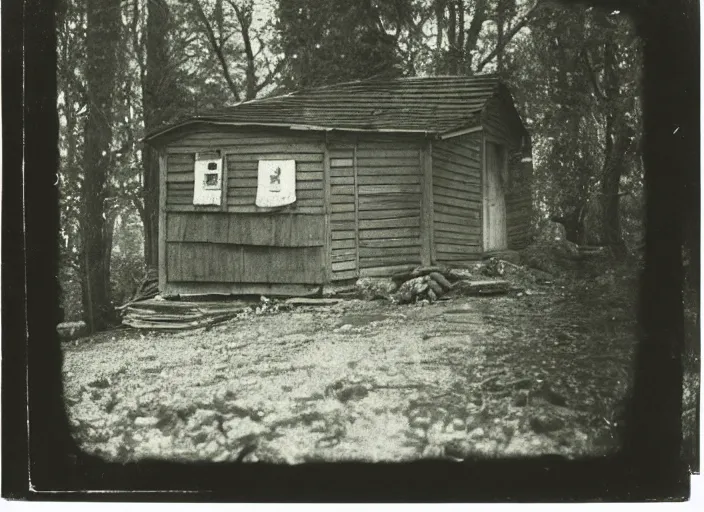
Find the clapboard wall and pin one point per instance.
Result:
(457, 200)
(375, 204)
(238, 247)
(389, 200)
(343, 214)
(501, 122)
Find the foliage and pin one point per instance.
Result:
(573, 72)
(337, 40)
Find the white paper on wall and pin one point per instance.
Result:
(276, 183)
(207, 188)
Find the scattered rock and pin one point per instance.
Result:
(546, 393)
(458, 424)
(375, 288)
(520, 400)
(354, 392)
(477, 432)
(237, 428)
(146, 421)
(543, 423)
(420, 422)
(505, 255)
(100, 383)
(202, 417)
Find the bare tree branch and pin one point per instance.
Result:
(509, 36)
(244, 18)
(271, 76)
(475, 27)
(217, 49)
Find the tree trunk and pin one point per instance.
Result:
(452, 38)
(244, 18)
(472, 35)
(618, 141)
(103, 28)
(440, 22)
(157, 102)
(614, 167)
(107, 255)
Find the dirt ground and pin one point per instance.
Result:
(534, 372)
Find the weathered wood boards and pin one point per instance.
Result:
(457, 199)
(237, 244)
(389, 201)
(368, 205)
(343, 215)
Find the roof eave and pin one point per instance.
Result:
(299, 127)
(456, 132)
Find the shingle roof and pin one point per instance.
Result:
(435, 104)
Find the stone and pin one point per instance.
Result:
(457, 424)
(375, 288)
(505, 255)
(240, 427)
(202, 417)
(543, 423)
(145, 421)
(420, 422)
(100, 383)
(477, 432)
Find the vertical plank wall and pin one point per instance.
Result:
(239, 247)
(389, 199)
(501, 121)
(519, 201)
(457, 198)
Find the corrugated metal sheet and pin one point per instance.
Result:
(420, 104)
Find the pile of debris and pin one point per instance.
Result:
(161, 314)
(148, 288)
(437, 283)
(179, 315)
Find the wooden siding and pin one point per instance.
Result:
(501, 121)
(237, 245)
(247, 229)
(389, 200)
(242, 151)
(457, 199)
(229, 263)
(344, 222)
(519, 201)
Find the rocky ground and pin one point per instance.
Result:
(537, 371)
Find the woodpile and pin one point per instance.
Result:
(433, 283)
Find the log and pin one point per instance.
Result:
(402, 277)
(494, 287)
(441, 280)
(71, 330)
(435, 287)
(304, 301)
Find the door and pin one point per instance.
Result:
(495, 175)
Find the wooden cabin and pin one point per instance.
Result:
(364, 179)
